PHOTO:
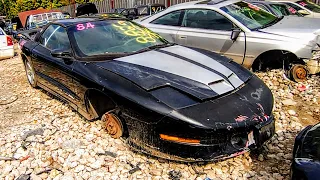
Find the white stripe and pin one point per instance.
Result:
(173, 65)
(206, 61)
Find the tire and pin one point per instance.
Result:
(30, 73)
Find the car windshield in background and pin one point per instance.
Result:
(250, 15)
(112, 37)
(282, 10)
(309, 5)
(39, 20)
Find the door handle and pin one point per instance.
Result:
(182, 37)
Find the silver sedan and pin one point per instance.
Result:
(239, 30)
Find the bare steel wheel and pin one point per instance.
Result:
(113, 125)
(299, 73)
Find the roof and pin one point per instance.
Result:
(264, 2)
(70, 22)
(24, 15)
(283, 0)
(214, 3)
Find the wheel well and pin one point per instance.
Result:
(101, 102)
(275, 59)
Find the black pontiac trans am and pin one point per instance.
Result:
(169, 101)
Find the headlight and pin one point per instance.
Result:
(239, 141)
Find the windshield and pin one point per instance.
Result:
(112, 37)
(309, 5)
(39, 20)
(249, 15)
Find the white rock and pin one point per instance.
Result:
(289, 102)
(89, 137)
(7, 169)
(291, 112)
(79, 168)
(97, 164)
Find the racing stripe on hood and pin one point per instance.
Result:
(188, 69)
(206, 61)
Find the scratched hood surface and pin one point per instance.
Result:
(195, 73)
(244, 108)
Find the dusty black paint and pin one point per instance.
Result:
(142, 98)
(306, 154)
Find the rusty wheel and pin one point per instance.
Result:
(299, 73)
(112, 124)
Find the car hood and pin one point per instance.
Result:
(295, 27)
(249, 106)
(187, 70)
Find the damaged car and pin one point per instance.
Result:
(242, 31)
(306, 154)
(169, 101)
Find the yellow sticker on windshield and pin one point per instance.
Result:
(142, 35)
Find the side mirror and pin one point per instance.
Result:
(234, 34)
(304, 12)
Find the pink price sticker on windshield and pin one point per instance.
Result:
(292, 10)
(81, 27)
(302, 3)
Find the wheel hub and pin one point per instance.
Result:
(301, 73)
(30, 74)
(113, 125)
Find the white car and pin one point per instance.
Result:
(306, 8)
(6, 45)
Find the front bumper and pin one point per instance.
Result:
(224, 149)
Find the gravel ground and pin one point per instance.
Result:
(48, 140)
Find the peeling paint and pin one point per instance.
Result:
(241, 118)
(257, 94)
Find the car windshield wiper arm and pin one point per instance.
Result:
(156, 47)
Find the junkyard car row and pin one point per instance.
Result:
(171, 94)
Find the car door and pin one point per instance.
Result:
(207, 29)
(54, 73)
(167, 25)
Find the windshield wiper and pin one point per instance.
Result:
(155, 47)
(271, 23)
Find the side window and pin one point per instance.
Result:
(206, 19)
(55, 37)
(170, 19)
(125, 12)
